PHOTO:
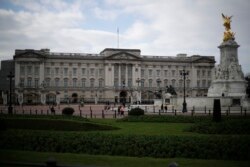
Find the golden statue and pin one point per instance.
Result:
(228, 34)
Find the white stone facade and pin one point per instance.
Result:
(229, 79)
(114, 75)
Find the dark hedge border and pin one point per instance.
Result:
(236, 126)
(175, 119)
(201, 147)
(50, 124)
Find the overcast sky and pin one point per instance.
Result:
(157, 27)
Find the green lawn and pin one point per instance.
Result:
(146, 128)
(112, 161)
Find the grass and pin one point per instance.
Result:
(146, 128)
(111, 161)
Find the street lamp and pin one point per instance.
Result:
(10, 108)
(138, 81)
(184, 73)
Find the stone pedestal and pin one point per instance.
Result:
(229, 79)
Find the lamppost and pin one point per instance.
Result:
(138, 81)
(162, 101)
(10, 108)
(184, 73)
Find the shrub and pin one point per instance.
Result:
(68, 111)
(217, 110)
(199, 147)
(136, 112)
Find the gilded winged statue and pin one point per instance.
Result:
(228, 34)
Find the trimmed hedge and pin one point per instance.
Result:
(241, 126)
(175, 119)
(68, 111)
(203, 147)
(49, 124)
(136, 112)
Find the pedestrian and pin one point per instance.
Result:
(52, 110)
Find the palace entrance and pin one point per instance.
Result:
(123, 96)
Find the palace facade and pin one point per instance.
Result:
(114, 75)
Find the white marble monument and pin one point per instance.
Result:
(228, 78)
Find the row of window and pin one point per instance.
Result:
(151, 72)
(203, 73)
(58, 83)
(61, 71)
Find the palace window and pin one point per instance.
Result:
(142, 73)
(37, 70)
(29, 70)
(65, 82)
(173, 73)
(83, 71)
(92, 72)
(173, 83)
(74, 82)
(65, 71)
(36, 83)
(47, 82)
(22, 70)
(142, 83)
(57, 82)
(165, 73)
(100, 82)
(83, 82)
(165, 82)
(92, 82)
(158, 73)
(150, 83)
(74, 71)
(29, 82)
(57, 71)
(150, 72)
(21, 82)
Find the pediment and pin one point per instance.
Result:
(204, 60)
(29, 54)
(123, 56)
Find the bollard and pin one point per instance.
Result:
(227, 112)
(174, 112)
(159, 112)
(90, 112)
(115, 113)
(192, 113)
(102, 114)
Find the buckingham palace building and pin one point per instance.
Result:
(113, 75)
